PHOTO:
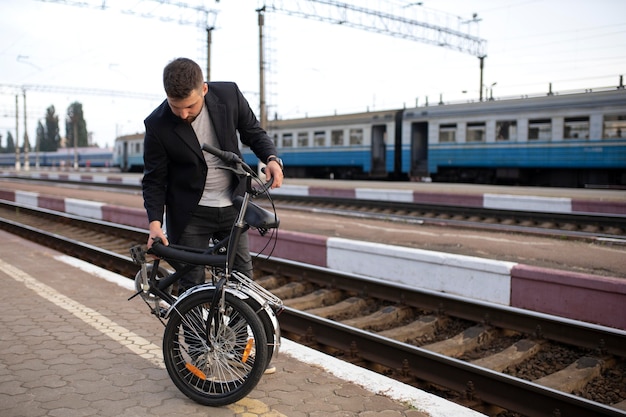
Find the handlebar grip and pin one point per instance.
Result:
(225, 156)
(186, 256)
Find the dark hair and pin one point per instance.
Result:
(181, 77)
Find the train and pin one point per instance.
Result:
(86, 157)
(565, 140)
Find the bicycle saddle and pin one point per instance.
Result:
(256, 216)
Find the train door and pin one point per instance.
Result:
(379, 151)
(419, 150)
(124, 164)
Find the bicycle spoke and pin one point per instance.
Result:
(222, 366)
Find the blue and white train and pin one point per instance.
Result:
(569, 140)
(128, 153)
(87, 157)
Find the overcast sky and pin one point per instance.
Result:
(314, 68)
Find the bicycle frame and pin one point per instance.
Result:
(220, 257)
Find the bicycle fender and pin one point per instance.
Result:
(202, 288)
(243, 294)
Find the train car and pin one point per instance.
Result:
(128, 153)
(354, 146)
(88, 157)
(570, 140)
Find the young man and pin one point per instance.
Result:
(181, 179)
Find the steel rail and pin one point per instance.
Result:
(478, 383)
(602, 221)
(546, 326)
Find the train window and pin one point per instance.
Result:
(576, 128)
(303, 139)
(287, 140)
(356, 136)
(336, 137)
(614, 126)
(319, 138)
(476, 132)
(447, 133)
(540, 129)
(506, 130)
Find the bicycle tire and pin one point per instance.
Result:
(225, 366)
(270, 334)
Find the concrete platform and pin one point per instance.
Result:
(541, 199)
(72, 345)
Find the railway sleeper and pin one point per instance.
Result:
(347, 308)
(464, 342)
(385, 318)
(316, 299)
(291, 290)
(269, 282)
(513, 355)
(424, 327)
(575, 376)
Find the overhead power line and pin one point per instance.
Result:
(383, 22)
(185, 13)
(19, 89)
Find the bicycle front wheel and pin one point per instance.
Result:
(218, 362)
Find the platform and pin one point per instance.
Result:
(72, 345)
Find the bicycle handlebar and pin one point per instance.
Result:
(232, 158)
(185, 254)
(226, 156)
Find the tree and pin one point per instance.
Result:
(48, 135)
(10, 144)
(75, 122)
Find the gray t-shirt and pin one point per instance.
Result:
(217, 192)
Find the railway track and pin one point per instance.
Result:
(497, 360)
(589, 226)
(610, 229)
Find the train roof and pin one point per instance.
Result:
(582, 99)
(588, 99)
(130, 137)
(364, 117)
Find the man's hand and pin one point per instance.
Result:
(156, 231)
(273, 170)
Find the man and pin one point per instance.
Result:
(182, 179)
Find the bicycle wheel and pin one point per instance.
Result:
(270, 333)
(215, 363)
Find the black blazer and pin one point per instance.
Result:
(174, 166)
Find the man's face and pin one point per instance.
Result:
(188, 108)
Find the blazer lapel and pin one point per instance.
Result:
(188, 136)
(217, 114)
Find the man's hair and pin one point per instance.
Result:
(181, 77)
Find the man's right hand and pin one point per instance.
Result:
(156, 231)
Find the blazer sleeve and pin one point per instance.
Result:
(250, 132)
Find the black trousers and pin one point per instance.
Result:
(217, 223)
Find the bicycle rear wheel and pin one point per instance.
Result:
(215, 363)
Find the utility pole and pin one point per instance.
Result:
(209, 30)
(17, 134)
(262, 103)
(482, 65)
(26, 144)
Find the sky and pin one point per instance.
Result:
(59, 52)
